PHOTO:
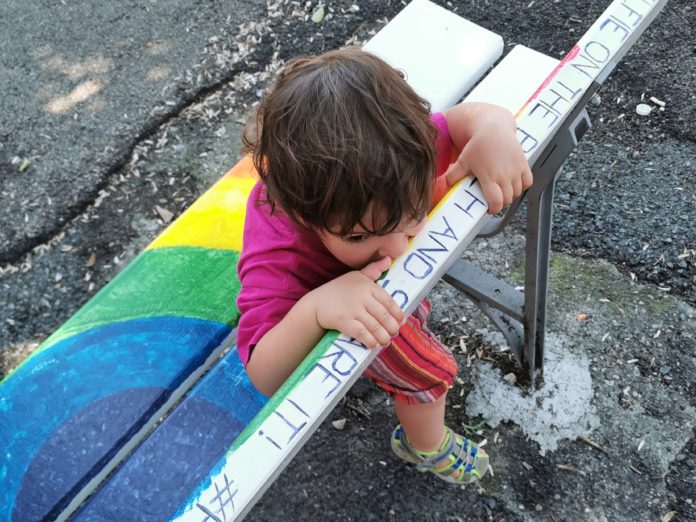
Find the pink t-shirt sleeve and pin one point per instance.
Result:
(443, 142)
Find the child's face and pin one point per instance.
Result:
(359, 248)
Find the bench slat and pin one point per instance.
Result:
(522, 67)
(178, 456)
(442, 55)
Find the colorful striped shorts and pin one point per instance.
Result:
(415, 368)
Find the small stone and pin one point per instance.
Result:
(643, 109)
(24, 165)
(339, 424)
(510, 378)
(318, 15)
(165, 214)
(664, 370)
(657, 101)
(669, 516)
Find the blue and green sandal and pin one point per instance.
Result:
(467, 462)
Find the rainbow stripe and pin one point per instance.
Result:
(102, 376)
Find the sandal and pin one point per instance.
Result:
(465, 457)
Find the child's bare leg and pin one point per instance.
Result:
(424, 423)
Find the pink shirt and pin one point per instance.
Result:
(281, 261)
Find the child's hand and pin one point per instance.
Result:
(490, 151)
(355, 306)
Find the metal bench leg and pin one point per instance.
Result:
(537, 255)
(496, 298)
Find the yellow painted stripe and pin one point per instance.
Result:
(216, 219)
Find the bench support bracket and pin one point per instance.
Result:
(521, 317)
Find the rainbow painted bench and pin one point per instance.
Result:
(77, 417)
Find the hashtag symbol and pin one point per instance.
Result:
(223, 497)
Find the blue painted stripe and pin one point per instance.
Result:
(174, 460)
(43, 407)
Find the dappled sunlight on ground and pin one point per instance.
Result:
(84, 91)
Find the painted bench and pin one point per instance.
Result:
(76, 417)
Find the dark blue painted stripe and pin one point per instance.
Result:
(172, 462)
(72, 407)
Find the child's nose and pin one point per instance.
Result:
(394, 245)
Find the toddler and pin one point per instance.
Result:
(350, 162)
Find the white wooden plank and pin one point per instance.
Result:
(442, 54)
(522, 67)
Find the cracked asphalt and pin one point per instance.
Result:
(116, 115)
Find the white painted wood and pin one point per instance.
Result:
(523, 68)
(442, 54)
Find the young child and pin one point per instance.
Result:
(350, 162)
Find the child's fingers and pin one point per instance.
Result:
(517, 186)
(374, 270)
(358, 330)
(494, 196)
(389, 304)
(383, 319)
(455, 172)
(376, 329)
(527, 178)
(508, 194)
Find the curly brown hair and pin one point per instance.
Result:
(340, 135)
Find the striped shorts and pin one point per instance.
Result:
(415, 368)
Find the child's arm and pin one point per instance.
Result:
(352, 304)
(485, 134)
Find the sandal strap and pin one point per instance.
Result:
(461, 454)
(430, 461)
(464, 454)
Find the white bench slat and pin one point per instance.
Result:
(442, 54)
(522, 67)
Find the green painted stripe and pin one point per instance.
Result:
(181, 281)
(297, 376)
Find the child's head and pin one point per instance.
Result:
(343, 141)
